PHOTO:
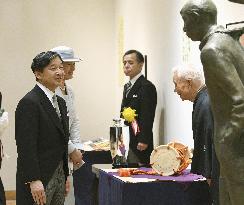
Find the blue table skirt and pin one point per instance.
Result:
(113, 191)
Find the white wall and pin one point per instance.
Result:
(31, 26)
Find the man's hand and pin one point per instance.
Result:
(67, 186)
(38, 192)
(142, 146)
(76, 156)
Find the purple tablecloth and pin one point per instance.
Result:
(186, 176)
(173, 190)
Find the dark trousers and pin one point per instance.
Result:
(2, 194)
(214, 189)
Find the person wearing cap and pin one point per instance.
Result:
(65, 91)
(42, 134)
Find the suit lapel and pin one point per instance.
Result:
(64, 117)
(133, 91)
(47, 105)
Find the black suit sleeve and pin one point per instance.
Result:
(208, 140)
(26, 135)
(203, 138)
(147, 113)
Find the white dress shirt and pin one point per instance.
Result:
(133, 80)
(47, 92)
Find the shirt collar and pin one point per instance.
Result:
(202, 88)
(47, 92)
(133, 80)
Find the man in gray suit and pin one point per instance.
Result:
(222, 57)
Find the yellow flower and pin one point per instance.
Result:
(129, 114)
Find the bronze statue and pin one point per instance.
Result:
(222, 57)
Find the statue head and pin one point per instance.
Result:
(198, 16)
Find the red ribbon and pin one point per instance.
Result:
(135, 127)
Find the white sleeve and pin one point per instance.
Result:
(74, 124)
(71, 147)
(75, 130)
(3, 123)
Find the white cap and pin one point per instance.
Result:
(66, 53)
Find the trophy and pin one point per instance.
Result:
(119, 143)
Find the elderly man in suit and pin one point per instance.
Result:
(189, 85)
(222, 57)
(139, 94)
(42, 134)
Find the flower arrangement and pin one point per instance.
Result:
(129, 115)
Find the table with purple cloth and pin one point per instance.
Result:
(185, 189)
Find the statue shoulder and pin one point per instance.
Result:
(220, 44)
(209, 52)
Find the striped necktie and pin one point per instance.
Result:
(128, 87)
(55, 105)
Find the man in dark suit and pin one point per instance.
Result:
(141, 95)
(189, 85)
(41, 133)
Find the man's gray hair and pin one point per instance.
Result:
(188, 72)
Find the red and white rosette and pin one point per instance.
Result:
(129, 115)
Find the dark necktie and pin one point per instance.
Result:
(128, 87)
(55, 105)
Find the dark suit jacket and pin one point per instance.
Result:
(41, 139)
(202, 127)
(204, 159)
(143, 98)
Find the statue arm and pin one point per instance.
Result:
(220, 63)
